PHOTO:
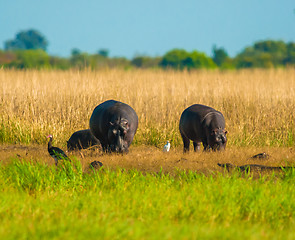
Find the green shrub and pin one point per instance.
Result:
(180, 59)
(31, 59)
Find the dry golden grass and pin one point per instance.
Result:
(258, 105)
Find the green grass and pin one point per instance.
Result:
(41, 202)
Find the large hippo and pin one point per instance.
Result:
(204, 124)
(114, 124)
(81, 140)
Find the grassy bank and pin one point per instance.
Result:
(258, 105)
(38, 201)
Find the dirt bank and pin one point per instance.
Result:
(151, 159)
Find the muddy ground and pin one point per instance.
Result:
(152, 159)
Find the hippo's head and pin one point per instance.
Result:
(217, 140)
(117, 135)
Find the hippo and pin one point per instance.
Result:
(114, 124)
(201, 123)
(81, 140)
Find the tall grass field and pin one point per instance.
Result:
(146, 194)
(258, 105)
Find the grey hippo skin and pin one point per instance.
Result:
(81, 140)
(200, 123)
(114, 124)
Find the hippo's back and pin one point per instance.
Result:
(198, 110)
(195, 113)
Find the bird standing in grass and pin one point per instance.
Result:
(166, 147)
(56, 152)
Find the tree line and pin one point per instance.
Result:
(28, 50)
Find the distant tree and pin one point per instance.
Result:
(270, 46)
(264, 54)
(103, 52)
(219, 55)
(137, 61)
(200, 60)
(31, 59)
(75, 52)
(276, 49)
(181, 59)
(6, 58)
(146, 62)
(59, 63)
(79, 59)
(174, 59)
(14, 45)
(290, 59)
(119, 62)
(24, 40)
(251, 58)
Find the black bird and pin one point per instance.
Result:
(56, 152)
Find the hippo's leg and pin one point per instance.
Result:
(104, 147)
(197, 146)
(186, 143)
(79, 145)
(206, 146)
(69, 146)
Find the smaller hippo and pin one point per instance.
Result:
(200, 123)
(81, 140)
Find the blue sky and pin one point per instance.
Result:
(133, 27)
